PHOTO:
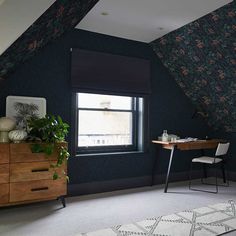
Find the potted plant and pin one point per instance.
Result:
(50, 133)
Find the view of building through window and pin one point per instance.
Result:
(104, 120)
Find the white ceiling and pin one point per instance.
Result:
(145, 20)
(16, 16)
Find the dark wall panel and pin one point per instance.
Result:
(48, 75)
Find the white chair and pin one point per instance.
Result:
(221, 151)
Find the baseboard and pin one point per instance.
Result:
(107, 186)
(231, 175)
(119, 184)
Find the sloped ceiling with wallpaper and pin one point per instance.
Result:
(60, 17)
(201, 56)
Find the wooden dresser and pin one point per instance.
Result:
(26, 177)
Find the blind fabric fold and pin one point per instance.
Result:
(96, 71)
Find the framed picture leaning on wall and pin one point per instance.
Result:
(22, 109)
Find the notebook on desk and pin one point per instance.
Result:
(184, 140)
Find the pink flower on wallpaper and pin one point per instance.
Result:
(200, 44)
(184, 70)
(178, 38)
(233, 61)
(32, 46)
(211, 62)
(221, 74)
(162, 41)
(60, 11)
(211, 31)
(231, 14)
(215, 17)
(234, 27)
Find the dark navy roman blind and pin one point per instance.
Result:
(106, 72)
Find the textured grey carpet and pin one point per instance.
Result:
(98, 211)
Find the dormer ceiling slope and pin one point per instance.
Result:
(60, 17)
(201, 57)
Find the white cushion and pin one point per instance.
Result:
(207, 160)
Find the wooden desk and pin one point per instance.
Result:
(192, 145)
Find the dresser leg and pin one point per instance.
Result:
(63, 201)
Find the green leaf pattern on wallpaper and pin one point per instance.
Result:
(201, 56)
(60, 17)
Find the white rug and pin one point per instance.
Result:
(214, 219)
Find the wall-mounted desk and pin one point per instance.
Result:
(191, 145)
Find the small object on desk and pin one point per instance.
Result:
(165, 136)
(184, 140)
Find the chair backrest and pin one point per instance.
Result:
(222, 149)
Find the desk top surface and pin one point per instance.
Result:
(190, 145)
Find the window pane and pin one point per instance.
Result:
(104, 128)
(86, 100)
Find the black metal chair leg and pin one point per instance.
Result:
(190, 176)
(223, 172)
(205, 171)
(201, 190)
(216, 181)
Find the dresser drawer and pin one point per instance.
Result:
(41, 189)
(4, 153)
(4, 173)
(21, 152)
(33, 171)
(4, 193)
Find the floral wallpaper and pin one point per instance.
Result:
(201, 56)
(61, 16)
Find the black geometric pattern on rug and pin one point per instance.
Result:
(60, 17)
(212, 220)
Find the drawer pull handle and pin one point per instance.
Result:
(39, 189)
(40, 170)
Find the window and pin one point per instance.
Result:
(108, 123)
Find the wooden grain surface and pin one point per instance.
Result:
(4, 193)
(4, 173)
(38, 189)
(4, 153)
(34, 171)
(192, 145)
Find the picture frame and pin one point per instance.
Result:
(22, 108)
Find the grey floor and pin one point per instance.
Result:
(92, 212)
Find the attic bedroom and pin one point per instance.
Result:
(117, 118)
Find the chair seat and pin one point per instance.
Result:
(207, 160)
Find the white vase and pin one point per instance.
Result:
(6, 124)
(16, 136)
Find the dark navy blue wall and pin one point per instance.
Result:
(48, 75)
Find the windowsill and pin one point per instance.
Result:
(109, 153)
